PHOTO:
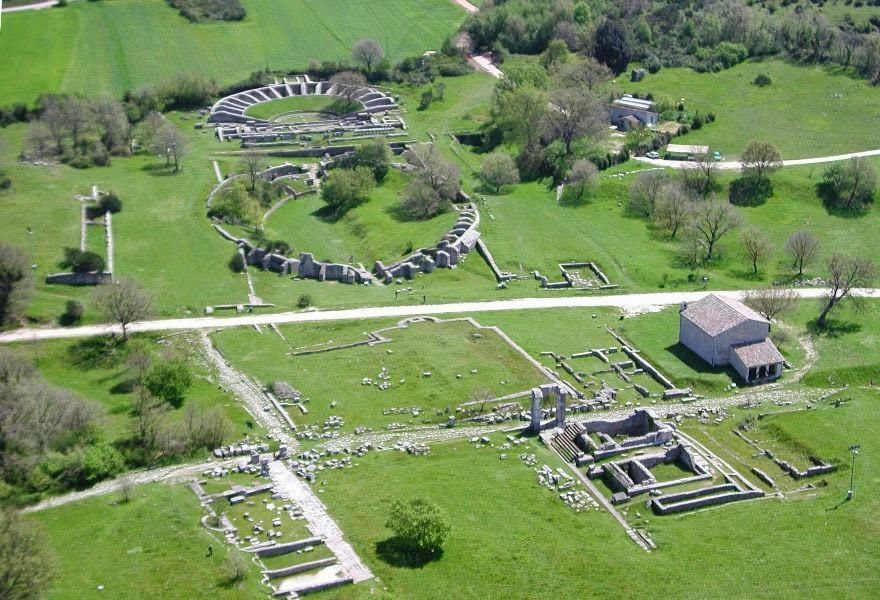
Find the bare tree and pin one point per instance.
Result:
(760, 159)
(498, 169)
(772, 301)
(846, 275)
(25, 567)
(699, 176)
(347, 84)
(674, 209)
(123, 302)
(421, 201)
(146, 130)
(111, 123)
(575, 113)
(149, 432)
(802, 248)
(646, 191)
(252, 162)
(170, 142)
(368, 52)
(52, 115)
(76, 117)
(16, 283)
(711, 221)
(584, 74)
(756, 246)
(39, 139)
(580, 182)
(438, 173)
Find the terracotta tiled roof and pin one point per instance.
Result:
(716, 314)
(758, 354)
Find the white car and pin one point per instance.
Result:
(653, 154)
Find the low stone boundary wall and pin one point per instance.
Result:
(90, 278)
(293, 570)
(693, 500)
(286, 548)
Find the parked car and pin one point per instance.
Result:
(653, 154)
(716, 156)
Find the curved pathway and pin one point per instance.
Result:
(35, 6)
(628, 302)
(736, 165)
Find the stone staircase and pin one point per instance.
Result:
(564, 442)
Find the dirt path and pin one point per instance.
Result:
(630, 303)
(35, 6)
(735, 165)
(467, 6)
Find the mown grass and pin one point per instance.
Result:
(331, 382)
(108, 47)
(267, 110)
(807, 111)
(152, 546)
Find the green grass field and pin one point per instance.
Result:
(267, 110)
(108, 47)
(332, 381)
(152, 546)
(806, 112)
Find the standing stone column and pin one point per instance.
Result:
(537, 396)
(561, 400)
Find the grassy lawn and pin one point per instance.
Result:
(267, 110)
(332, 381)
(464, 107)
(807, 111)
(151, 547)
(507, 529)
(108, 47)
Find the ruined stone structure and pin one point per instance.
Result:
(601, 438)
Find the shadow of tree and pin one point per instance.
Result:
(397, 554)
(95, 352)
(833, 328)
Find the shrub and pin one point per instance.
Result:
(762, 80)
(419, 524)
(347, 188)
(82, 262)
(110, 203)
(304, 301)
(236, 263)
(750, 191)
(73, 313)
(198, 11)
(101, 461)
(169, 380)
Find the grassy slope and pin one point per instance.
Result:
(799, 112)
(150, 547)
(107, 47)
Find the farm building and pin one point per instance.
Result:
(681, 151)
(723, 331)
(627, 106)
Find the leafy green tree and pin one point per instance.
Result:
(374, 155)
(849, 187)
(101, 461)
(16, 283)
(613, 46)
(346, 188)
(581, 182)
(498, 169)
(169, 380)
(420, 524)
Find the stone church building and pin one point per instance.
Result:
(723, 331)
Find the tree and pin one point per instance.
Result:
(772, 301)
(76, 117)
(802, 248)
(252, 163)
(111, 123)
(346, 188)
(581, 182)
(149, 432)
(646, 191)
(518, 111)
(16, 283)
(82, 262)
(846, 275)
(612, 46)
(421, 201)
(146, 130)
(760, 159)
(498, 169)
(171, 143)
(555, 55)
(711, 221)
(674, 209)
(584, 74)
(26, 569)
(374, 155)
(757, 247)
(39, 139)
(169, 380)
(437, 173)
(848, 187)
(123, 302)
(367, 52)
(348, 83)
(110, 203)
(419, 524)
(573, 114)
(699, 176)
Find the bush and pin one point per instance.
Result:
(5, 181)
(236, 263)
(762, 80)
(82, 262)
(169, 381)
(419, 524)
(110, 203)
(73, 313)
(277, 246)
(750, 191)
(101, 461)
(347, 188)
(304, 301)
(199, 11)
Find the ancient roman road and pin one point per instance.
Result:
(627, 302)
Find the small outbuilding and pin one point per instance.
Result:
(723, 331)
(629, 106)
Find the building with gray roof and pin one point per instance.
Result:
(723, 331)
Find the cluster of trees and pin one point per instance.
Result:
(244, 201)
(349, 185)
(552, 115)
(434, 186)
(706, 35)
(16, 283)
(200, 11)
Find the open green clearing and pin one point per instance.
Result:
(806, 112)
(505, 523)
(332, 381)
(150, 547)
(108, 47)
(267, 110)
